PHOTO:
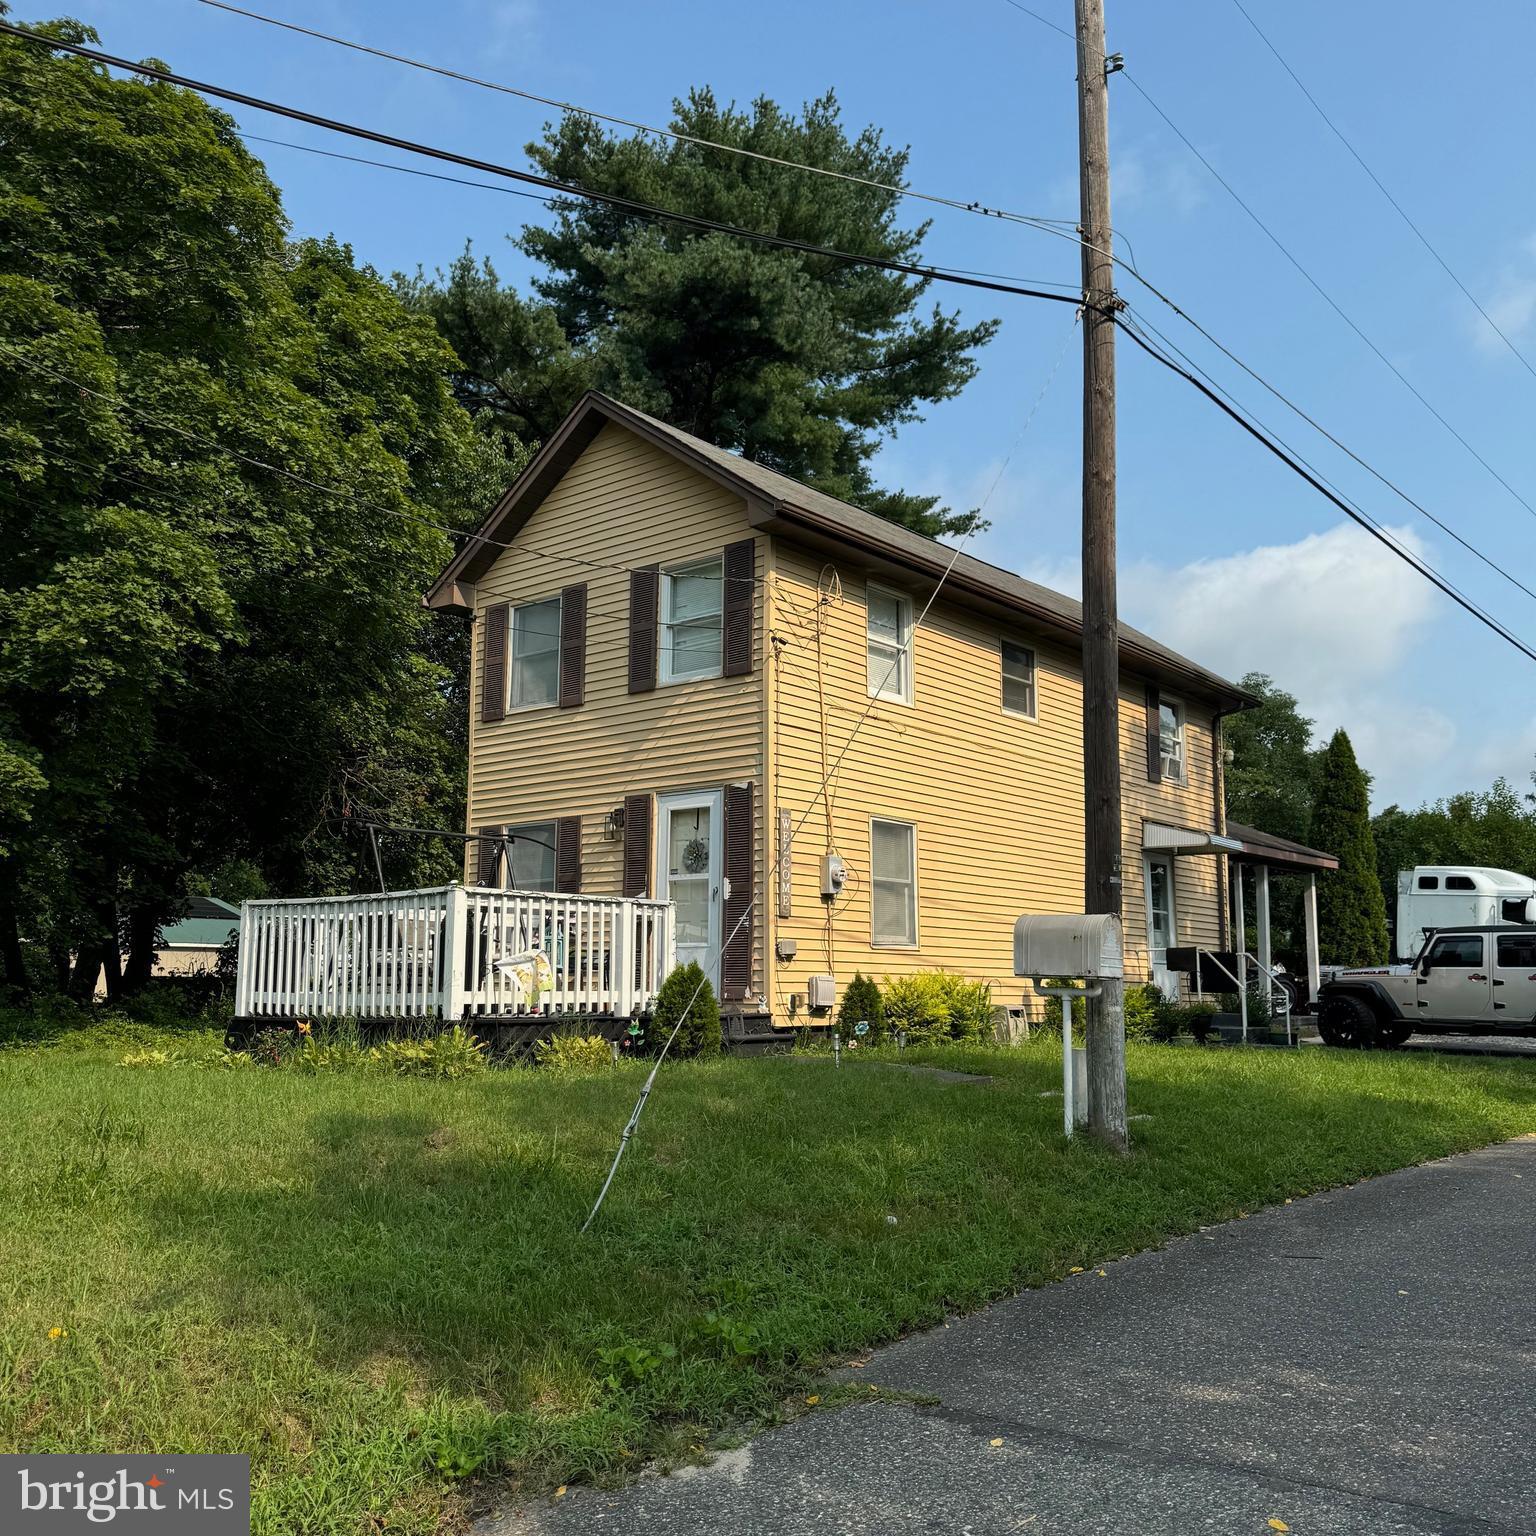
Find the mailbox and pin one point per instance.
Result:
(1074, 944)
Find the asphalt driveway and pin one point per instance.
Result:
(1358, 1362)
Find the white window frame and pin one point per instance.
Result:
(668, 672)
(1163, 760)
(1033, 712)
(529, 830)
(875, 939)
(512, 704)
(875, 681)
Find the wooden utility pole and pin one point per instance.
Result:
(1101, 631)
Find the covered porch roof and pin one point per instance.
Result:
(1239, 842)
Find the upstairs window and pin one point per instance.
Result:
(692, 620)
(531, 856)
(1170, 734)
(1018, 680)
(535, 654)
(890, 645)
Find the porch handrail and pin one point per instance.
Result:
(1243, 959)
(433, 951)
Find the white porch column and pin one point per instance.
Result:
(1261, 914)
(1240, 944)
(1314, 959)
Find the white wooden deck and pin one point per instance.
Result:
(432, 954)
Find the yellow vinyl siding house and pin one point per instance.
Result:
(674, 648)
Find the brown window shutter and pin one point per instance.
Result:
(488, 855)
(736, 937)
(1154, 735)
(573, 646)
(637, 845)
(493, 675)
(740, 589)
(568, 855)
(644, 590)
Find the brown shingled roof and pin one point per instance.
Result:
(780, 504)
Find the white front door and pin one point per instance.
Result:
(1162, 930)
(688, 874)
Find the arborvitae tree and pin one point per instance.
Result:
(687, 995)
(862, 1001)
(1352, 916)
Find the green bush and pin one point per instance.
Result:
(574, 1055)
(686, 995)
(453, 1053)
(862, 1002)
(1197, 1018)
(938, 1005)
(341, 1047)
(1145, 1013)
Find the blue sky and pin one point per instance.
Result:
(1223, 552)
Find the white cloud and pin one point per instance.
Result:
(1326, 615)
(1513, 304)
(1332, 618)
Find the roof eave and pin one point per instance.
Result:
(783, 516)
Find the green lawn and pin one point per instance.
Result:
(375, 1285)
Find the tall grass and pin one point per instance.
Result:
(374, 1284)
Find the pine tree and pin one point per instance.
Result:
(1352, 915)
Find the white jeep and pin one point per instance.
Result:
(1465, 981)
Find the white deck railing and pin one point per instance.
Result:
(433, 953)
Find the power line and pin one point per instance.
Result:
(1297, 467)
(959, 204)
(566, 188)
(487, 186)
(1317, 426)
(1381, 187)
(1296, 262)
(1323, 293)
(902, 651)
(407, 170)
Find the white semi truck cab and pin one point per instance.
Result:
(1439, 896)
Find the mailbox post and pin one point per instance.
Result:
(1071, 945)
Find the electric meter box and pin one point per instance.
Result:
(1070, 944)
(834, 875)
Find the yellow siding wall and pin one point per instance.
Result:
(627, 504)
(997, 800)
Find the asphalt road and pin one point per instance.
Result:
(1359, 1362)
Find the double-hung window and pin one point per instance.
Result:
(1018, 680)
(535, 654)
(890, 645)
(893, 883)
(531, 856)
(692, 610)
(1170, 730)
